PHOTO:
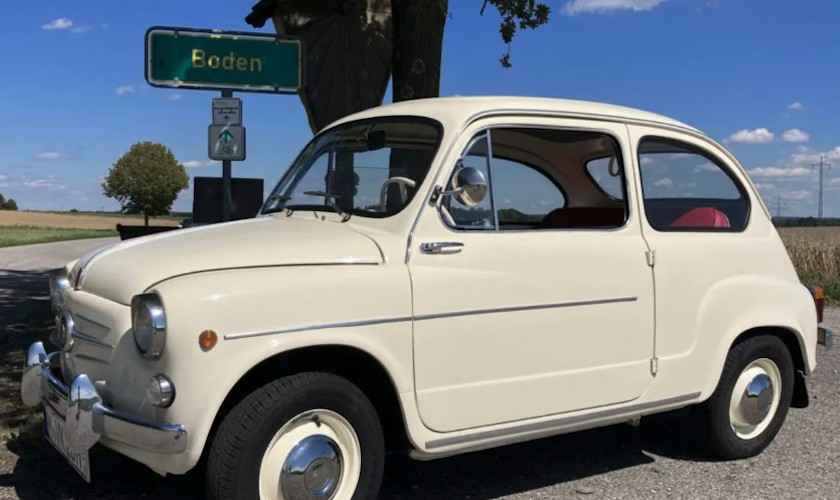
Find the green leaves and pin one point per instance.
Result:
(146, 180)
(518, 14)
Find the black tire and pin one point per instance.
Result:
(712, 416)
(239, 445)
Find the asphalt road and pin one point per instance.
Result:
(656, 460)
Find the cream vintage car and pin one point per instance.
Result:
(440, 276)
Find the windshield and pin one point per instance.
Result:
(370, 168)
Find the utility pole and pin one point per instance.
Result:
(822, 164)
(780, 206)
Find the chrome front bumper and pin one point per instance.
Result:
(825, 336)
(86, 417)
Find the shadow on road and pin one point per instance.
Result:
(481, 475)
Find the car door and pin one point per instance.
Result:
(539, 299)
(696, 218)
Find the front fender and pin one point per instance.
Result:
(259, 313)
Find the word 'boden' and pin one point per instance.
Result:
(230, 62)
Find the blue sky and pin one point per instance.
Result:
(760, 75)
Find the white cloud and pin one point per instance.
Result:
(81, 29)
(198, 164)
(174, 97)
(647, 160)
(780, 172)
(795, 135)
(61, 23)
(51, 156)
(797, 195)
(706, 167)
(664, 182)
(600, 6)
(809, 157)
(124, 89)
(43, 184)
(757, 136)
(765, 187)
(796, 106)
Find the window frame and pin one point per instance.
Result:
(617, 144)
(715, 160)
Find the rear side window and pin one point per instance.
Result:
(606, 174)
(687, 189)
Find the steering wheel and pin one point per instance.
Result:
(403, 182)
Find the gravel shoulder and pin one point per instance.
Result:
(658, 459)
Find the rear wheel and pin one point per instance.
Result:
(304, 437)
(751, 400)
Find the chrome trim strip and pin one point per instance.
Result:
(90, 358)
(424, 317)
(90, 339)
(557, 422)
(84, 318)
(324, 326)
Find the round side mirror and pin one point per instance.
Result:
(470, 186)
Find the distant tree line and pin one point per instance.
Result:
(9, 204)
(805, 222)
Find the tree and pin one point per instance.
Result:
(146, 180)
(418, 39)
(9, 204)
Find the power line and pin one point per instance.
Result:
(822, 164)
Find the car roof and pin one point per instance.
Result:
(450, 110)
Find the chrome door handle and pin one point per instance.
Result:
(438, 246)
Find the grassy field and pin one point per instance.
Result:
(815, 252)
(11, 236)
(75, 221)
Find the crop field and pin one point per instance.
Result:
(815, 252)
(75, 221)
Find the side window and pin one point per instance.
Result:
(605, 172)
(688, 189)
(524, 195)
(480, 215)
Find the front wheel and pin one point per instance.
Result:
(303, 437)
(751, 400)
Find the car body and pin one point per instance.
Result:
(532, 267)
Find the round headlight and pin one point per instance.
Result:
(160, 391)
(149, 324)
(58, 283)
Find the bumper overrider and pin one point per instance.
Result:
(87, 419)
(825, 336)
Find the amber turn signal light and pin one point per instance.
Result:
(207, 339)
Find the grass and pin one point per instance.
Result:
(27, 235)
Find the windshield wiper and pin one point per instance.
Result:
(330, 197)
(276, 197)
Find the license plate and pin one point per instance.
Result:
(54, 430)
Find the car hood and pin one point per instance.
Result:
(120, 271)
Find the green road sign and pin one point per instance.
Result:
(223, 60)
(226, 142)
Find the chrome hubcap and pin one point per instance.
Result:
(312, 470)
(755, 398)
(315, 456)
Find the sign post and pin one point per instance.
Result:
(227, 61)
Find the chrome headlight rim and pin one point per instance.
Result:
(59, 282)
(150, 338)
